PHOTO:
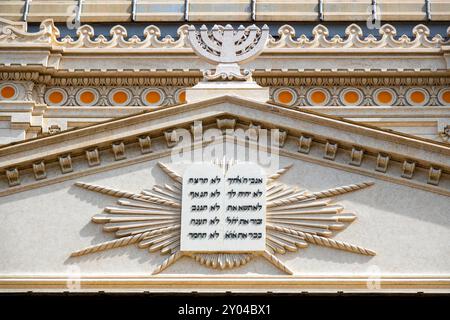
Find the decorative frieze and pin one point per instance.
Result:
(13, 177)
(381, 94)
(117, 96)
(356, 156)
(145, 143)
(331, 149)
(382, 162)
(328, 94)
(119, 39)
(408, 169)
(434, 175)
(118, 149)
(304, 144)
(93, 157)
(39, 170)
(65, 163)
(354, 38)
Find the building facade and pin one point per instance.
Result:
(307, 149)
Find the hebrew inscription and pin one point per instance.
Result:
(223, 211)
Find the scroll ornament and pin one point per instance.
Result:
(15, 32)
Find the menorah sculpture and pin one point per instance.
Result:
(228, 49)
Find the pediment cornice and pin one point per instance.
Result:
(311, 136)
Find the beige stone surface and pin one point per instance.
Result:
(407, 228)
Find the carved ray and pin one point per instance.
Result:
(175, 176)
(276, 262)
(148, 241)
(306, 204)
(121, 242)
(130, 218)
(171, 247)
(146, 205)
(160, 245)
(155, 226)
(168, 262)
(287, 245)
(161, 196)
(123, 228)
(143, 212)
(332, 209)
(271, 178)
(315, 239)
(295, 217)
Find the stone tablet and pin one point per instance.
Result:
(223, 212)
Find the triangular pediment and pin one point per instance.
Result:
(305, 135)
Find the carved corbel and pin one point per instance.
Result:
(118, 149)
(226, 124)
(93, 157)
(356, 156)
(145, 142)
(330, 150)
(197, 131)
(304, 144)
(280, 136)
(253, 132)
(408, 169)
(171, 138)
(65, 163)
(39, 170)
(13, 177)
(434, 175)
(382, 163)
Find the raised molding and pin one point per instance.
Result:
(318, 143)
(248, 283)
(167, 151)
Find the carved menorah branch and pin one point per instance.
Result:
(228, 48)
